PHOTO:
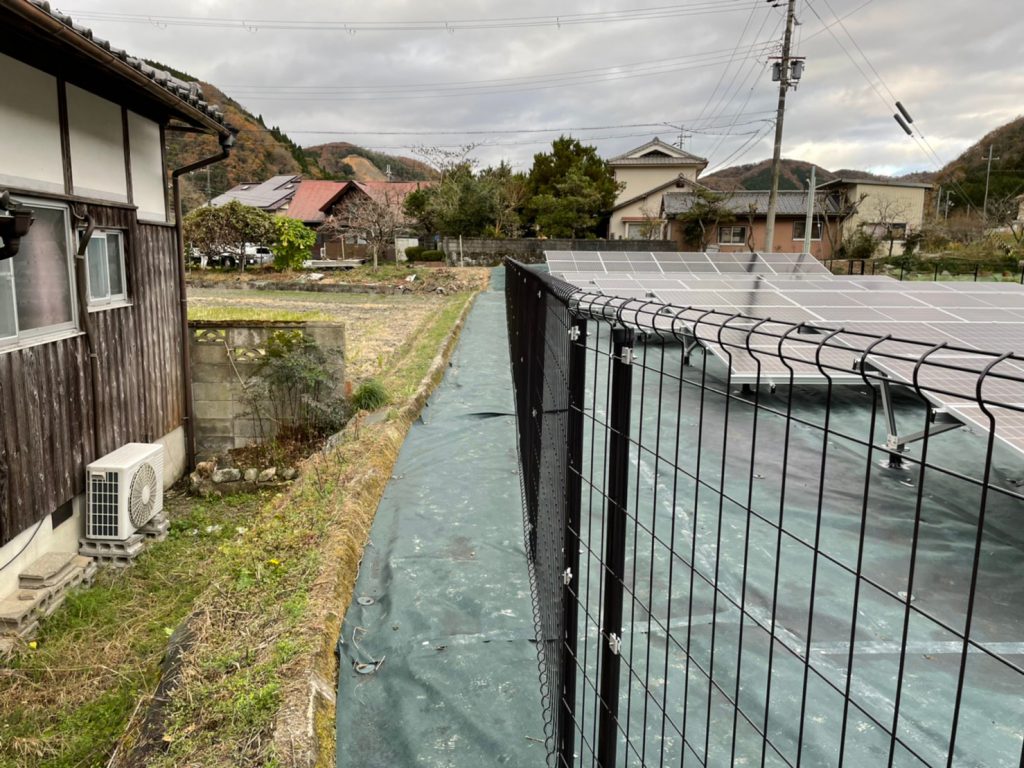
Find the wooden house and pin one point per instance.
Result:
(92, 289)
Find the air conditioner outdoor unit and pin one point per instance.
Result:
(124, 491)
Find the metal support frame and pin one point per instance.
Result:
(617, 489)
(566, 736)
(897, 443)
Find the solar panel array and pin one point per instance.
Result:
(729, 294)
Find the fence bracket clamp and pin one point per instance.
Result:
(574, 333)
(567, 577)
(614, 643)
(627, 356)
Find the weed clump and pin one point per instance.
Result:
(370, 396)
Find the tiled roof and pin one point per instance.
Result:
(397, 191)
(790, 202)
(668, 156)
(269, 195)
(189, 93)
(311, 198)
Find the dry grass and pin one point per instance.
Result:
(376, 326)
(387, 277)
(65, 702)
(263, 605)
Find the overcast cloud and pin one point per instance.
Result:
(957, 67)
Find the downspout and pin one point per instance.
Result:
(227, 141)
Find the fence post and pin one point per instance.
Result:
(566, 737)
(936, 273)
(617, 489)
(976, 272)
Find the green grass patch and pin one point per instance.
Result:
(66, 703)
(370, 396)
(223, 314)
(408, 370)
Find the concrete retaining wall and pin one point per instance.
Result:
(478, 251)
(227, 354)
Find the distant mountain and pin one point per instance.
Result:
(795, 174)
(342, 160)
(966, 175)
(262, 152)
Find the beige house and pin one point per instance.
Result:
(886, 209)
(648, 172)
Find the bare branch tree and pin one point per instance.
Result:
(374, 218)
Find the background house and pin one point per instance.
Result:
(271, 195)
(744, 229)
(363, 213)
(647, 173)
(887, 210)
(91, 349)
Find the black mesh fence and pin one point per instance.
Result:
(785, 553)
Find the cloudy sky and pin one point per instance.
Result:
(395, 74)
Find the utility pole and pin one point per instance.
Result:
(784, 84)
(988, 174)
(809, 224)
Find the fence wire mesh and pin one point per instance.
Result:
(801, 565)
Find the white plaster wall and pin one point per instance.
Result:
(64, 539)
(174, 456)
(30, 129)
(97, 146)
(147, 168)
(645, 178)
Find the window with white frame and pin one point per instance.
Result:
(644, 230)
(105, 258)
(800, 229)
(732, 235)
(37, 295)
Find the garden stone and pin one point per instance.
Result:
(251, 474)
(268, 474)
(289, 474)
(229, 475)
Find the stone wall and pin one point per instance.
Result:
(478, 251)
(225, 354)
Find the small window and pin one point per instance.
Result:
(732, 235)
(105, 256)
(37, 295)
(800, 229)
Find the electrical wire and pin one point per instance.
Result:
(728, 66)
(436, 25)
(493, 90)
(497, 131)
(21, 551)
(521, 79)
(916, 133)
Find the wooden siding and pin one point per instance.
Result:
(48, 432)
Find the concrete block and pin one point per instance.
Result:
(212, 373)
(215, 428)
(210, 353)
(211, 392)
(206, 410)
(47, 571)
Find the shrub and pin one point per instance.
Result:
(295, 389)
(431, 256)
(412, 253)
(859, 245)
(370, 396)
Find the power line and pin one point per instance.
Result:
(435, 25)
(500, 131)
(552, 83)
(493, 81)
(917, 135)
